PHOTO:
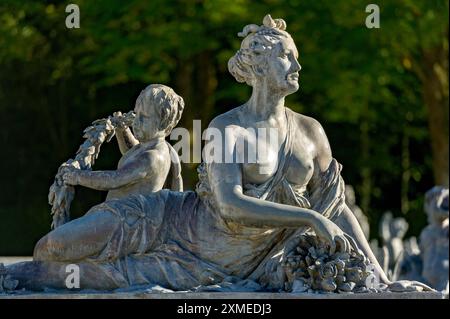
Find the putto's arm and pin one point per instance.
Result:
(124, 136)
(108, 180)
(125, 139)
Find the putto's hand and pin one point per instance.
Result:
(70, 177)
(119, 121)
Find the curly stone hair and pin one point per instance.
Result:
(168, 105)
(250, 59)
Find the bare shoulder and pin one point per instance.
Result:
(156, 157)
(314, 131)
(227, 119)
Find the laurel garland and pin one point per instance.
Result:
(60, 194)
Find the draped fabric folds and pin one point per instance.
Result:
(179, 240)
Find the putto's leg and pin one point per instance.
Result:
(78, 239)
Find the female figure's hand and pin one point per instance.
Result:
(328, 231)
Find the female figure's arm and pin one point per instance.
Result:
(346, 219)
(226, 184)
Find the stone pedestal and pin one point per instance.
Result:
(225, 295)
(147, 294)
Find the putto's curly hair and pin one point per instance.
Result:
(259, 40)
(168, 105)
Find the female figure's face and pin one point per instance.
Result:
(144, 125)
(283, 67)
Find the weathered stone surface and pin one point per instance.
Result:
(228, 295)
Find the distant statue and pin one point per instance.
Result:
(391, 251)
(434, 239)
(392, 232)
(409, 265)
(249, 223)
(350, 199)
(426, 261)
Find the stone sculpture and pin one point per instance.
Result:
(146, 158)
(409, 265)
(434, 240)
(350, 200)
(310, 267)
(61, 194)
(7, 284)
(426, 261)
(243, 222)
(392, 231)
(392, 251)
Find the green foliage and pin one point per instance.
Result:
(363, 84)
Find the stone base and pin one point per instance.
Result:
(224, 295)
(145, 294)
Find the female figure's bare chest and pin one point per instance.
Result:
(299, 165)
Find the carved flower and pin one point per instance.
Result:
(310, 267)
(328, 270)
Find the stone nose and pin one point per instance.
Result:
(296, 67)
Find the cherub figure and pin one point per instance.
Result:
(147, 158)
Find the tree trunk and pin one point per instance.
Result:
(366, 172)
(436, 99)
(196, 82)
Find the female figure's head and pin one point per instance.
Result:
(267, 55)
(158, 109)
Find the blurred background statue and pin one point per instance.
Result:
(391, 231)
(434, 239)
(350, 199)
(425, 260)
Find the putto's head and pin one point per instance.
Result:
(158, 109)
(267, 53)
